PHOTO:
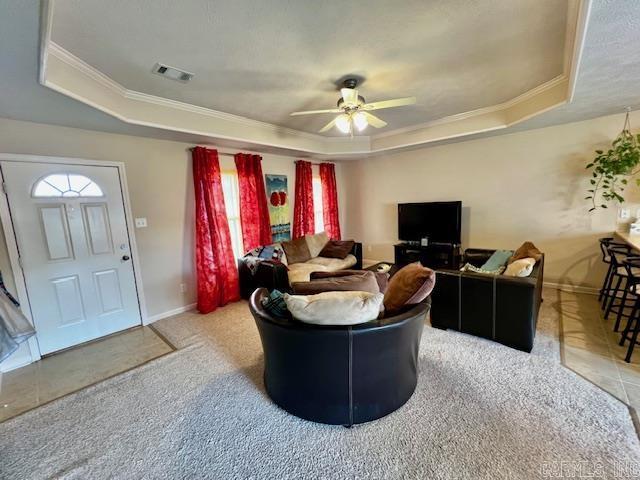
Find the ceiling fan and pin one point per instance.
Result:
(354, 111)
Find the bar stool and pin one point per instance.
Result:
(632, 275)
(614, 294)
(631, 330)
(606, 258)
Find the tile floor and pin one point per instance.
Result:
(59, 374)
(590, 346)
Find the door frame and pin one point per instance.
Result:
(12, 244)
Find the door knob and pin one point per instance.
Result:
(125, 258)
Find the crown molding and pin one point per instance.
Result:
(95, 74)
(64, 72)
(86, 69)
(500, 107)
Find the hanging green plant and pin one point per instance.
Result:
(612, 170)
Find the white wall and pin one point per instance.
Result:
(523, 186)
(160, 184)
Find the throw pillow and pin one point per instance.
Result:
(526, 250)
(520, 268)
(297, 251)
(496, 260)
(335, 308)
(356, 282)
(274, 304)
(337, 249)
(381, 278)
(411, 284)
(316, 243)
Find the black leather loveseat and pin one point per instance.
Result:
(497, 307)
(340, 375)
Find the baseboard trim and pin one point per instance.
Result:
(567, 287)
(170, 313)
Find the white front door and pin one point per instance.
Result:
(73, 241)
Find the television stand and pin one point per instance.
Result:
(437, 256)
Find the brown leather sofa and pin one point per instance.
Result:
(500, 308)
(275, 275)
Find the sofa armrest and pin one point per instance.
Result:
(356, 251)
(269, 275)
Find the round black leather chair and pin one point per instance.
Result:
(340, 375)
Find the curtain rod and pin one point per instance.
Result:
(219, 153)
(233, 154)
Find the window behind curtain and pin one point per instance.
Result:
(317, 205)
(232, 204)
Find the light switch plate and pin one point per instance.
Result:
(625, 214)
(141, 222)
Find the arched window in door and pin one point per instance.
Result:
(66, 185)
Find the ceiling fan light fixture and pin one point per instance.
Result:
(360, 121)
(343, 122)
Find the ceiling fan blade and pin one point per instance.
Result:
(374, 121)
(396, 102)
(349, 95)
(313, 112)
(328, 126)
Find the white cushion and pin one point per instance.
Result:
(335, 308)
(316, 243)
(520, 268)
(334, 264)
(301, 272)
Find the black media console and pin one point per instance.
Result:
(436, 255)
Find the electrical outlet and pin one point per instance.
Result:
(141, 222)
(368, 248)
(624, 214)
(183, 287)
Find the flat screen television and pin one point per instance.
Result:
(439, 221)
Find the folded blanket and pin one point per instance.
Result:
(270, 253)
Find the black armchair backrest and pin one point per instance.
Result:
(604, 243)
(632, 266)
(618, 252)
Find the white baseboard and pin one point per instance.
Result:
(566, 287)
(170, 313)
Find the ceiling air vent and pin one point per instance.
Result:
(172, 73)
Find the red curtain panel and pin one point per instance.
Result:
(330, 200)
(217, 274)
(254, 212)
(303, 221)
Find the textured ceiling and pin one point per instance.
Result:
(607, 81)
(263, 60)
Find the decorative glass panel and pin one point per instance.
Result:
(66, 185)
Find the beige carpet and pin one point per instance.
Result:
(480, 410)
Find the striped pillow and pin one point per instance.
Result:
(274, 304)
